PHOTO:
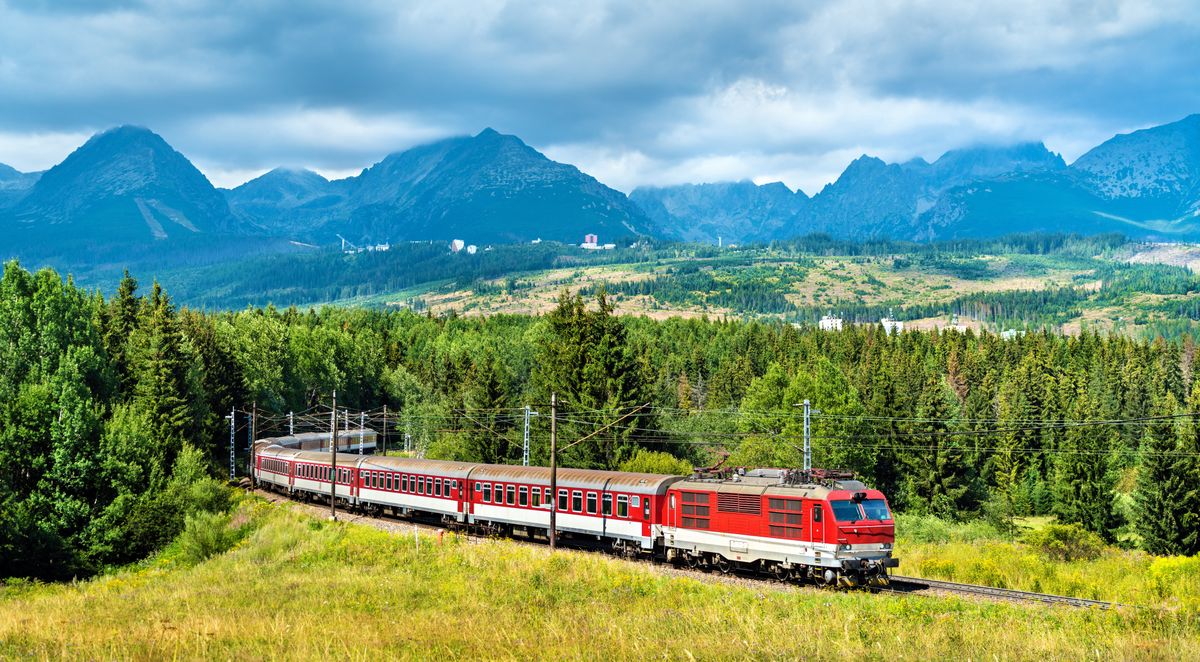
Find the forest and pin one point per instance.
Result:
(113, 429)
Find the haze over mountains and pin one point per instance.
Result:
(127, 190)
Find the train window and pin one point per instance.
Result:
(622, 506)
(577, 502)
(562, 500)
(816, 512)
(606, 505)
(646, 509)
(437, 487)
(546, 496)
(420, 484)
(876, 509)
(487, 492)
(511, 492)
(387, 481)
(846, 511)
(524, 497)
(403, 482)
(591, 503)
(536, 494)
(635, 501)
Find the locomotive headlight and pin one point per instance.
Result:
(887, 545)
(845, 547)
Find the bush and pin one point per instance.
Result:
(653, 462)
(205, 535)
(933, 529)
(1066, 542)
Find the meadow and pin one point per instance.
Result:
(269, 582)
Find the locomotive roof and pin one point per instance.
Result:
(770, 487)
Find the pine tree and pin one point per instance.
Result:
(940, 478)
(1187, 470)
(1160, 488)
(1083, 486)
(121, 318)
(161, 369)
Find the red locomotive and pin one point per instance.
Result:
(817, 525)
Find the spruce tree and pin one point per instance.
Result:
(161, 368)
(1160, 488)
(1187, 471)
(939, 476)
(1083, 485)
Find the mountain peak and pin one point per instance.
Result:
(133, 180)
(1159, 163)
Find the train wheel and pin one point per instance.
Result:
(723, 565)
(779, 572)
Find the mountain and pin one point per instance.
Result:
(487, 188)
(15, 184)
(1152, 173)
(728, 211)
(1144, 184)
(287, 201)
(123, 185)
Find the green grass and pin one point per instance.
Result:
(975, 553)
(301, 588)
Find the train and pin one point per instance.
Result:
(817, 526)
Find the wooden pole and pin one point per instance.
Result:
(333, 459)
(553, 469)
(384, 430)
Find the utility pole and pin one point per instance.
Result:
(333, 459)
(554, 452)
(361, 430)
(291, 425)
(525, 453)
(553, 468)
(232, 444)
(384, 451)
(253, 436)
(807, 435)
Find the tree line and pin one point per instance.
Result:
(112, 409)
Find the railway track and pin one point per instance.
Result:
(898, 584)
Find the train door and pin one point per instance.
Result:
(818, 524)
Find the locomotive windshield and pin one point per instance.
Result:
(846, 511)
(876, 509)
(849, 511)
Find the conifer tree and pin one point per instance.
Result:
(939, 476)
(1160, 488)
(1083, 486)
(161, 368)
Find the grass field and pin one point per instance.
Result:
(294, 587)
(824, 283)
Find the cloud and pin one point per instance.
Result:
(635, 93)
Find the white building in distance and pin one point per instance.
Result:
(830, 323)
(891, 325)
(457, 245)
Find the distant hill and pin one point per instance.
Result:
(15, 185)
(127, 195)
(731, 211)
(484, 189)
(124, 185)
(286, 201)
(488, 188)
(870, 199)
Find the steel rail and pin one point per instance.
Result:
(898, 581)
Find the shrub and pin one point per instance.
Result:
(1066, 542)
(205, 535)
(653, 462)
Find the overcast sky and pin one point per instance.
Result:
(631, 92)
